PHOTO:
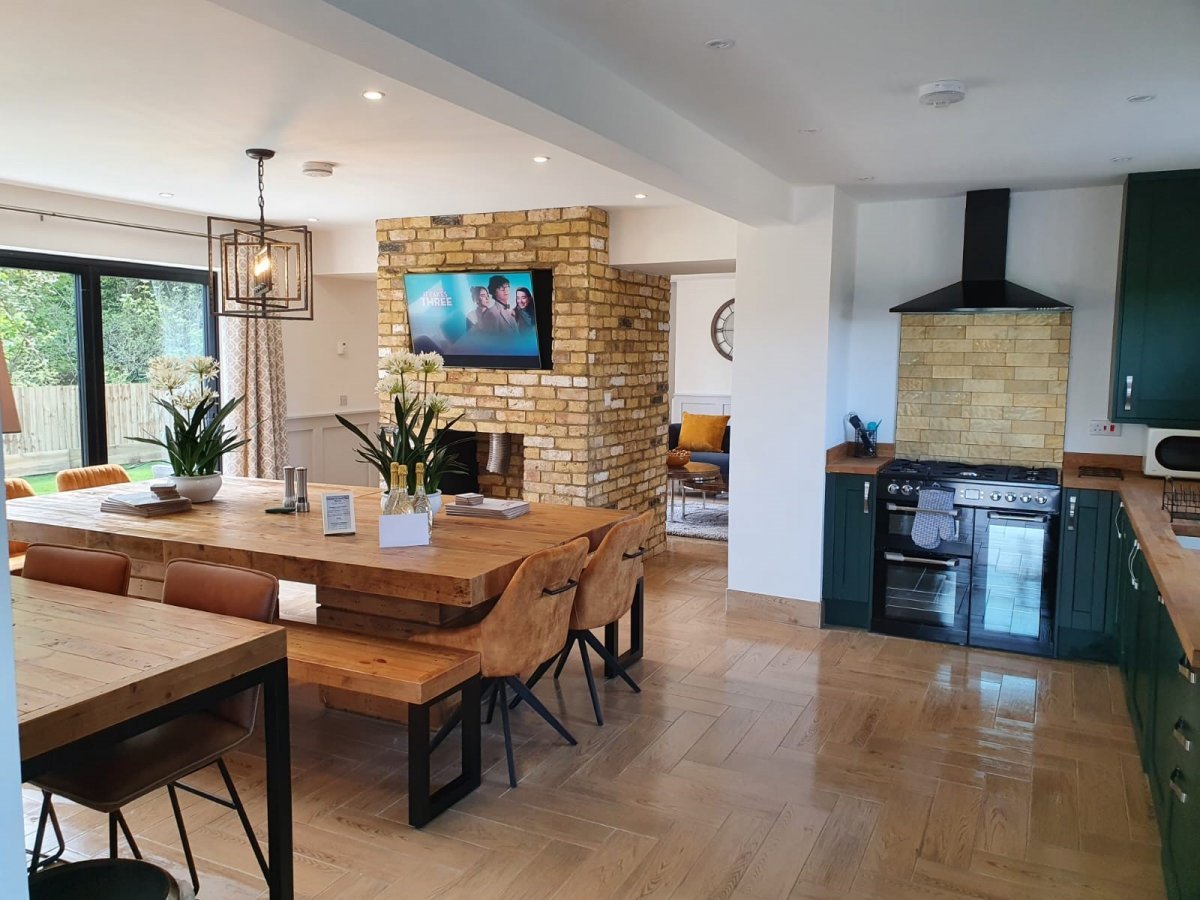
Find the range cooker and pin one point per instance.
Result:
(989, 582)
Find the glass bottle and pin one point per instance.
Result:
(420, 501)
(398, 500)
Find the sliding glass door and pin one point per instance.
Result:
(78, 336)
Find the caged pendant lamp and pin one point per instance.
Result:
(258, 270)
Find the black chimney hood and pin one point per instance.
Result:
(985, 252)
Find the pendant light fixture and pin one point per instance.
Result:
(258, 270)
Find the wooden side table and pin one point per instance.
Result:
(678, 477)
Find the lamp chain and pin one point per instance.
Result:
(262, 206)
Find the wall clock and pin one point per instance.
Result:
(722, 329)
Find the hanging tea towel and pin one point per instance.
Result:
(931, 528)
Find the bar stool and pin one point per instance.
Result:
(15, 488)
(104, 879)
(90, 476)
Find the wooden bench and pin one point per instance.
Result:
(417, 674)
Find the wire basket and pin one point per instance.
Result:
(1181, 499)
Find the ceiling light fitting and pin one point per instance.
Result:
(865, 178)
(260, 271)
(167, 194)
(1122, 159)
(317, 169)
(373, 95)
(941, 93)
(639, 196)
(810, 130)
(720, 43)
(541, 159)
(1140, 98)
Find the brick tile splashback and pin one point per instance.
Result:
(593, 430)
(987, 387)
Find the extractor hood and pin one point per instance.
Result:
(985, 254)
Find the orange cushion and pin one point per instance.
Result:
(703, 434)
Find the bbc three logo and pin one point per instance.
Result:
(436, 296)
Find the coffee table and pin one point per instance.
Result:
(692, 474)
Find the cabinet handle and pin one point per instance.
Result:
(866, 498)
(1128, 393)
(901, 558)
(1117, 521)
(1186, 671)
(1129, 563)
(1173, 784)
(1071, 502)
(1181, 737)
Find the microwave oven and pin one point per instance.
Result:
(1171, 453)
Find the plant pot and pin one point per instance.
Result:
(197, 488)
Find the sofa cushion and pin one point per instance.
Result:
(702, 433)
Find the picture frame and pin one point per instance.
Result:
(337, 513)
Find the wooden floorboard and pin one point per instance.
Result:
(761, 761)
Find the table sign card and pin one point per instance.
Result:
(408, 530)
(337, 513)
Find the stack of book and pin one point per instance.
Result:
(489, 509)
(468, 499)
(161, 500)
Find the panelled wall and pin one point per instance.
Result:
(592, 432)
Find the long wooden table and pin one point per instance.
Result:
(93, 668)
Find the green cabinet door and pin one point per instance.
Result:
(1086, 609)
(1155, 363)
(1144, 671)
(1176, 715)
(1126, 609)
(849, 548)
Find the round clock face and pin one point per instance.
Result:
(722, 329)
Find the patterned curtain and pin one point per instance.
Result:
(252, 367)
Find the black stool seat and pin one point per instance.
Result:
(102, 879)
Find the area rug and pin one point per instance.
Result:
(711, 524)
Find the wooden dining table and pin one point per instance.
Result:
(96, 668)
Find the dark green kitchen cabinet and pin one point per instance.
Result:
(1155, 363)
(849, 547)
(1146, 611)
(1088, 567)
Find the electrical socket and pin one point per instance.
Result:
(1104, 428)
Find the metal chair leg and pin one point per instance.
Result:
(492, 702)
(35, 859)
(508, 747)
(241, 811)
(562, 659)
(183, 838)
(539, 672)
(591, 681)
(137, 854)
(611, 660)
(447, 727)
(538, 707)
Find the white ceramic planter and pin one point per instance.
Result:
(197, 488)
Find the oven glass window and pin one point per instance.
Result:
(928, 594)
(1015, 560)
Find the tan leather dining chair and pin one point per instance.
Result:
(105, 571)
(605, 594)
(122, 772)
(14, 489)
(90, 477)
(527, 625)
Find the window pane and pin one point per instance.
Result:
(143, 318)
(39, 330)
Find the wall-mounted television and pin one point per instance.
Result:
(483, 319)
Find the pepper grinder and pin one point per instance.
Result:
(289, 487)
(301, 489)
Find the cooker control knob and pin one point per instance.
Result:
(995, 496)
(1011, 498)
(1042, 499)
(906, 490)
(1025, 498)
(893, 488)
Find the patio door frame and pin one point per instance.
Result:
(89, 328)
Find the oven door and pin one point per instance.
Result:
(1012, 585)
(922, 596)
(896, 525)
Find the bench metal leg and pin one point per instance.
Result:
(637, 618)
(424, 804)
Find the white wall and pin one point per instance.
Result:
(672, 239)
(1062, 243)
(779, 385)
(696, 366)
(345, 309)
(841, 302)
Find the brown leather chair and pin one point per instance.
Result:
(126, 770)
(605, 594)
(105, 571)
(527, 625)
(90, 477)
(15, 488)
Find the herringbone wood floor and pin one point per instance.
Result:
(760, 761)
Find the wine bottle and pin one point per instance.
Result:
(420, 501)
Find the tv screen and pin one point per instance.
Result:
(498, 320)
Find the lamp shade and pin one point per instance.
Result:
(10, 422)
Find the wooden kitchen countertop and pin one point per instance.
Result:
(841, 459)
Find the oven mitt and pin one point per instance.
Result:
(931, 528)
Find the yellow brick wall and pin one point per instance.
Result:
(987, 388)
(609, 335)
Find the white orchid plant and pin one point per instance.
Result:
(196, 437)
(414, 435)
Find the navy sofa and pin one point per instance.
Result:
(721, 460)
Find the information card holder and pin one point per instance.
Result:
(408, 530)
(337, 513)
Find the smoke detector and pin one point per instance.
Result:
(941, 93)
(317, 169)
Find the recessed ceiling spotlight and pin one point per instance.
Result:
(865, 178)
(639, 196)
(373, 95)
(1140, 98)
(1122, 159)
(167, 194)
(941, 93)
(313, 219)
(541, 159)
(810, 130)
(720, 43)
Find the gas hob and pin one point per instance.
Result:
(985, 486)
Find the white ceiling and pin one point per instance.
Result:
(124, 99)
(1047, 82)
